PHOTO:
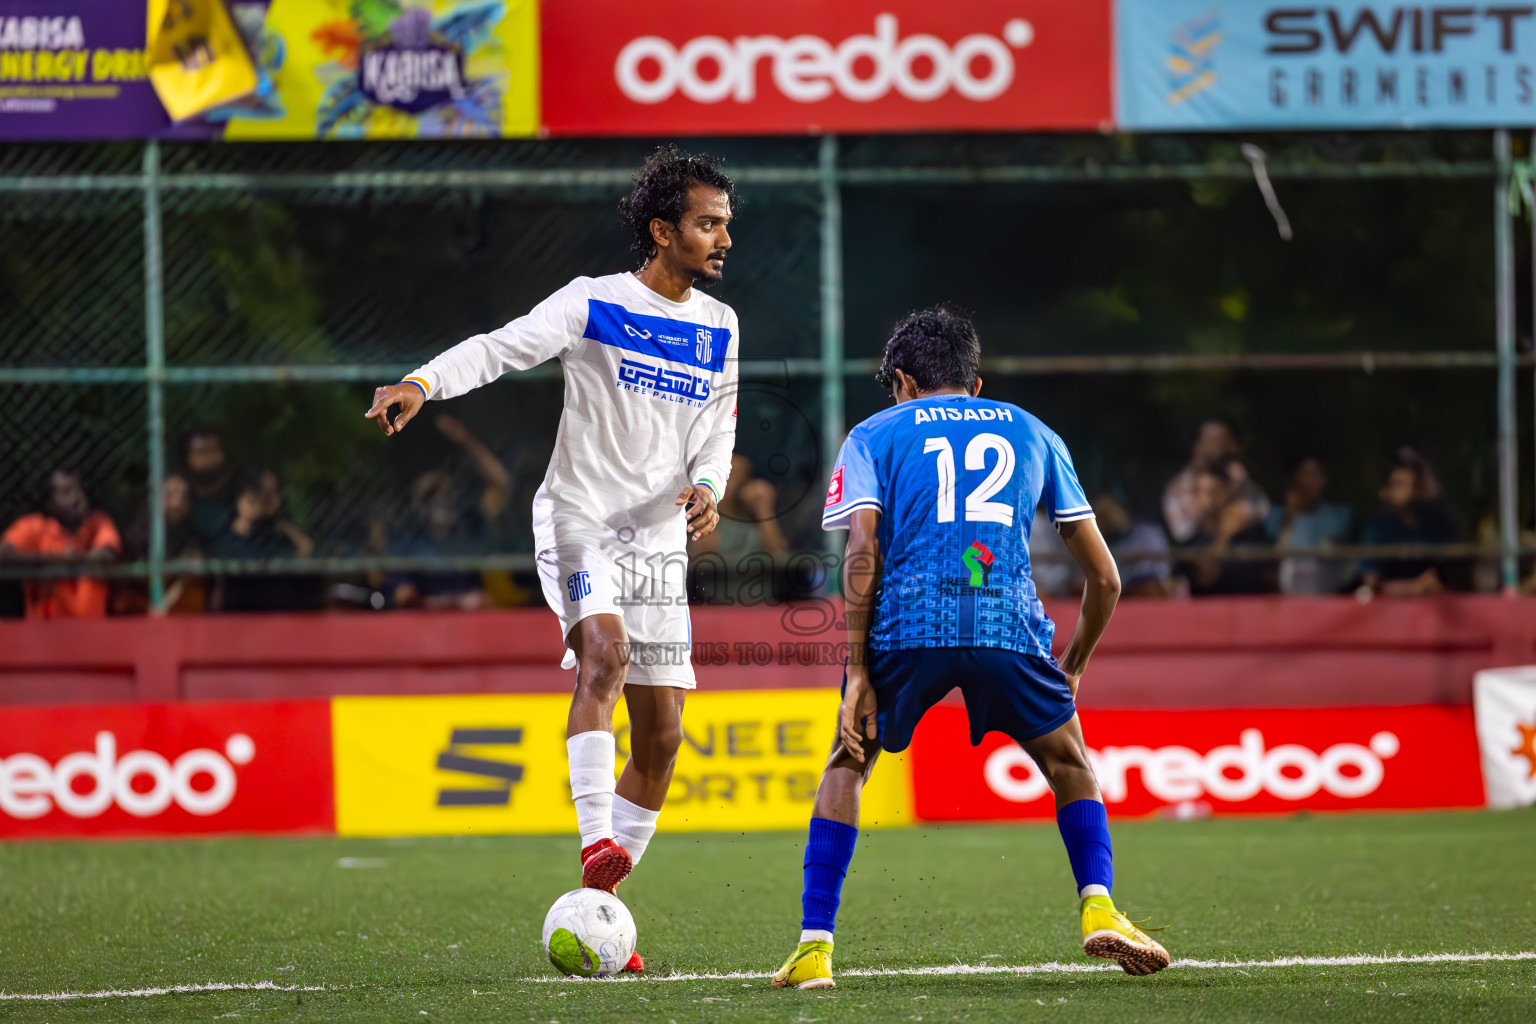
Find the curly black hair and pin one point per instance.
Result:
(937, 347)
(661, 190)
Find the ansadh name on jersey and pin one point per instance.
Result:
(956, 480)
(961, 415)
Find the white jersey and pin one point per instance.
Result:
(650, 406)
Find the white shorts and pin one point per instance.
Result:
(582, 579)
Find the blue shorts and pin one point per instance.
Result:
(1015, 694)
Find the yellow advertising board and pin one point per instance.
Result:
(414, 69)
(497, 764)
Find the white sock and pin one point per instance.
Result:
(633, 826)
(1092, 890)
(815, 935)
(592, 759)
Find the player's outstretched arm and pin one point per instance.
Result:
(1100, 593)
(861, 585)
(406, 395)
(546, 332)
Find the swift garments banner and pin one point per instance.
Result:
(1184, 64)
(166, 769)
(1239, 761)
(696, 68)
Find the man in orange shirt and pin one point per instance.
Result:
(66, 530)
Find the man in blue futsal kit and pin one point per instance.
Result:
(945, 481)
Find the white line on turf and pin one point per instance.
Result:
(1054, 967)
(118, 993)
(1057, 967)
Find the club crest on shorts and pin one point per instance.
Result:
(578, 585)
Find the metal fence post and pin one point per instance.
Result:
(1504, 290)
(831, 314)
(154, 366)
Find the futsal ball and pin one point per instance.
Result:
(589, 933)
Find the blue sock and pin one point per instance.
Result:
(828, 850)
(1085, 829)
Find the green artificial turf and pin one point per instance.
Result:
(448, 929)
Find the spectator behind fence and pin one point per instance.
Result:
(1307, 521)
(1488, 573)
(1227, 520)
(743, 559)
(1413, 511)
(1140, 548)
(259, 531)
(1215, 447)
(65, 529)
(183, 594)
(748, 522)
(439, 527)
(212, 483)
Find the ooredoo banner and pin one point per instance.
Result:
(1238, 761)
(1183, 64)
(694, 68)
(166, 769)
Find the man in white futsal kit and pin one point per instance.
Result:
(640, 462)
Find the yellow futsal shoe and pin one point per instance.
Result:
(809, 966)
(1107, 934)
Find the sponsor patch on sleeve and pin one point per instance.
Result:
(835, 488)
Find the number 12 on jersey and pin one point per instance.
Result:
(978, 507)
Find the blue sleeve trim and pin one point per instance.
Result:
(1074, 517)
(844, 512)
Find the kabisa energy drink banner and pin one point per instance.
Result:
(76, 69)
(325, 69)
(375, 69)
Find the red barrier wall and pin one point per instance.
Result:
(1230, 653)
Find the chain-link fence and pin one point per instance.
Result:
(163, 301)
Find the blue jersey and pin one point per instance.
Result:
(956, 481)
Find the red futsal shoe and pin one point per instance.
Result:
(635, 965)
(604, 865)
